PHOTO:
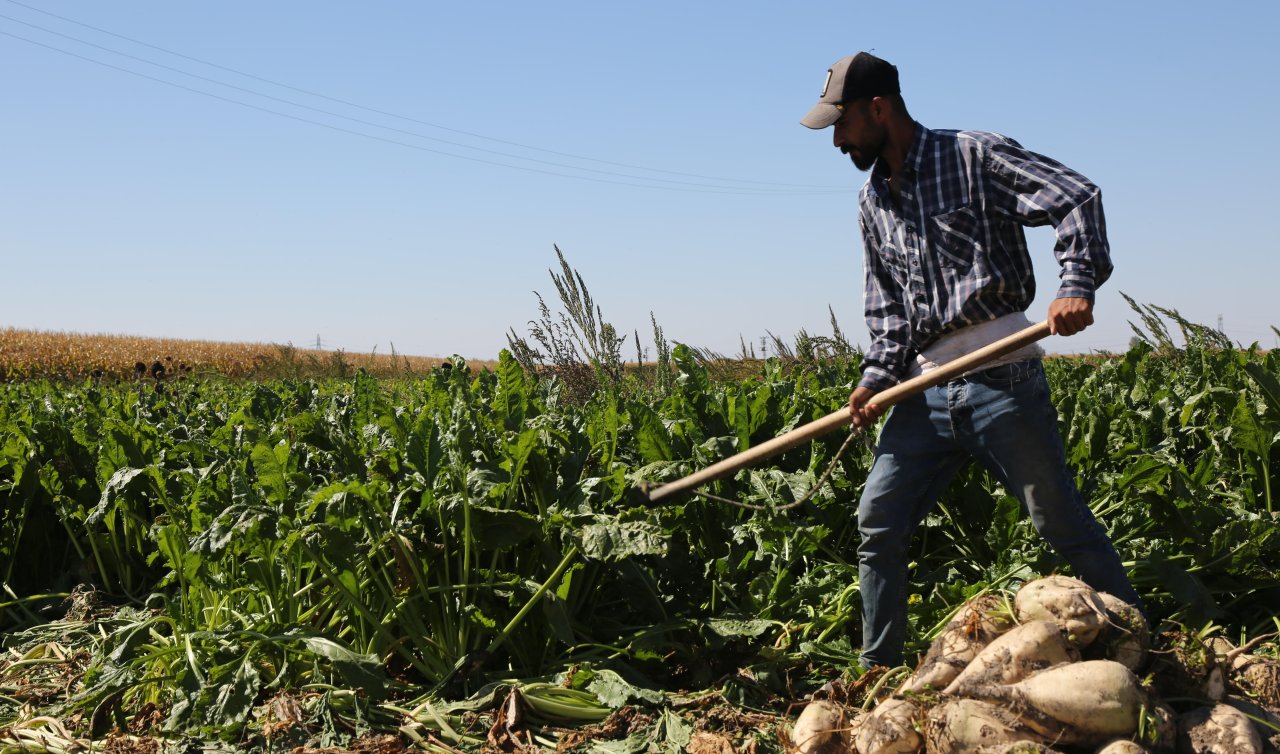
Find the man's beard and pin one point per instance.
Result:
(864, 156)
(861, 161)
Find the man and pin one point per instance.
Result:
(947, 271)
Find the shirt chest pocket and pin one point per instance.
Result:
(956, 237)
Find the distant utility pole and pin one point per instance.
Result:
(317, 341)
(1219, 323)
(764, 348)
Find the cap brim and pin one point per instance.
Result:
(822, 115)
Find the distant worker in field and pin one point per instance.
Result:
(947, 271)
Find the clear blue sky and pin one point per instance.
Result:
(397, 172)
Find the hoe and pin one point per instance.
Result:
(645, 493)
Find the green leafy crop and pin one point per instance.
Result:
(436, 534)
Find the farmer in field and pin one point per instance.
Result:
(947, 271)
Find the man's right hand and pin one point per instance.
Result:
(864, 413)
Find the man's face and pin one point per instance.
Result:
(858, 135)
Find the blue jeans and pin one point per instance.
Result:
(1003, 418)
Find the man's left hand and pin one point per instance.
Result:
(1068, 316)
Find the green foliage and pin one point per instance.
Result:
(447, 531)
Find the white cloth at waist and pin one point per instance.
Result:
(969, 339)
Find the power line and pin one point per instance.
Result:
(384, 112)
(360, 121)
(706, 189)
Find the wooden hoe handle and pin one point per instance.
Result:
(840, 418)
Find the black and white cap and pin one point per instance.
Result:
(852, 78)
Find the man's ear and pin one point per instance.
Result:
(879, 108)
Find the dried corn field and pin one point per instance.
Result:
(36, 354)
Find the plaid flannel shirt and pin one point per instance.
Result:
(951, 252)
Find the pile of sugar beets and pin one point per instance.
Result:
(1067, 670)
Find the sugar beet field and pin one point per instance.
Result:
(449, 559)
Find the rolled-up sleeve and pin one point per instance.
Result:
(1034, 190)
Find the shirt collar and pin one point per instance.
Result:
(911, 165)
